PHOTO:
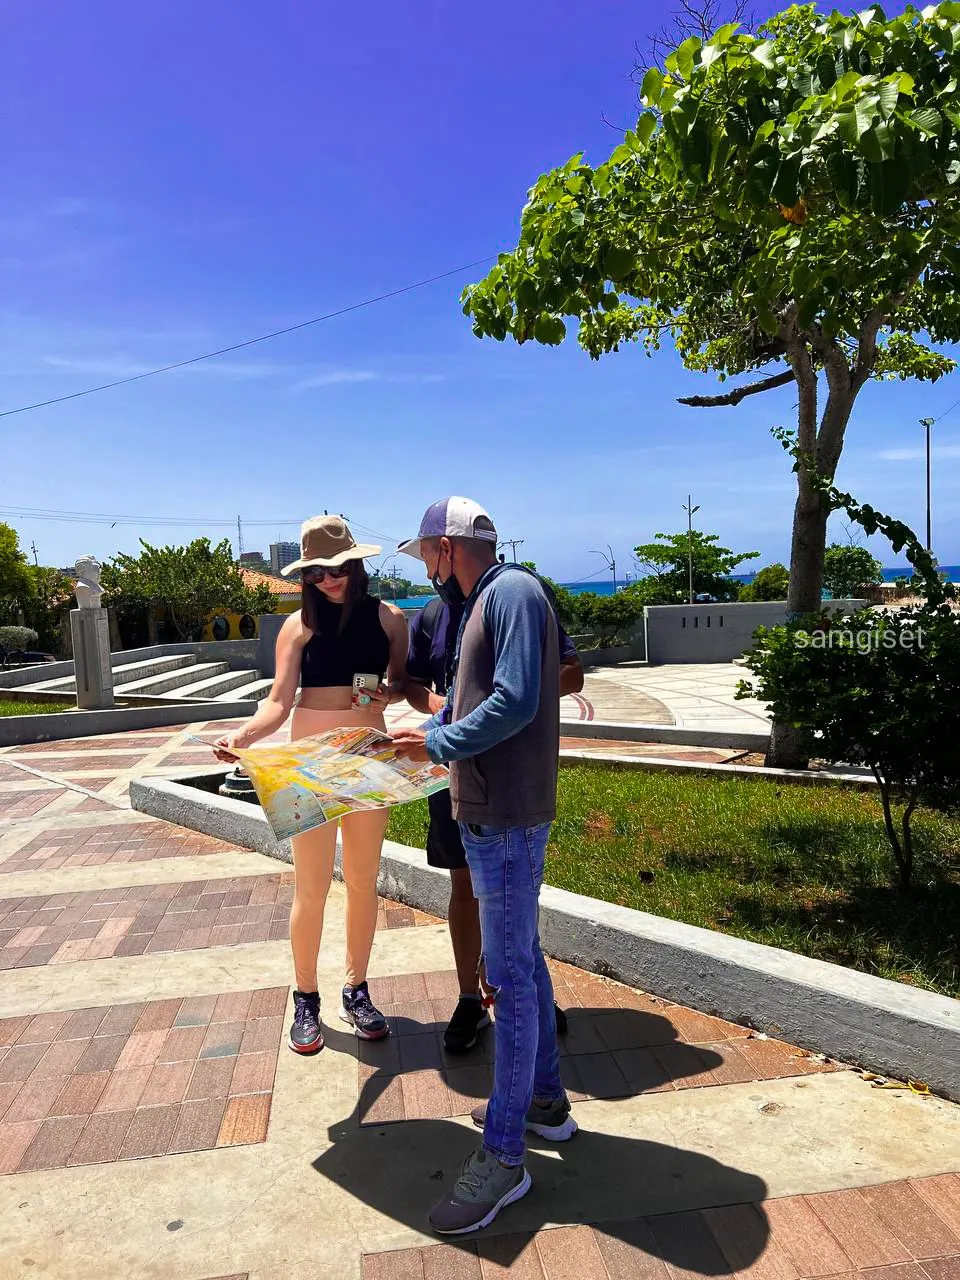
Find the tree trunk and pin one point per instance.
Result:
(790, 748)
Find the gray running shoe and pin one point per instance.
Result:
(482, 1190)
(553, 1122)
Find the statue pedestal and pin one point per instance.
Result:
(90, 632)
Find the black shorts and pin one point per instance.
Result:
(444, 845)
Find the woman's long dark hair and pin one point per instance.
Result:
(313, 602)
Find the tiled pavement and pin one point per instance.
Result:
(152, 1125)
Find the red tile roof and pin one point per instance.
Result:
(279, 586)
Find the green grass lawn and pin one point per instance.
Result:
(804, 868)
(10, 708)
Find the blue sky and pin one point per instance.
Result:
(178, 177)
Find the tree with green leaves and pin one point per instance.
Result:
(191, 582)
(17, 586)
(786, 199)
(668, 556)
(771, 583)
(52, 598)
(848, 569)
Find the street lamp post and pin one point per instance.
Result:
(927, 423)
(690, 511)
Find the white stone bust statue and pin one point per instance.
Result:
(88, 590)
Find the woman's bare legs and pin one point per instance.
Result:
(362, 845)
(313, 866)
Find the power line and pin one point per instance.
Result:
(249, 342)
(177, 522)
(945, 412)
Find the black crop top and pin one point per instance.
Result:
(331, 657)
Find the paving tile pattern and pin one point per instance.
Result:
(27, 804)
(790, 1239)
(619, 1043)
(142, 919)
(96, 846)
(123, 1082)
(138, 740)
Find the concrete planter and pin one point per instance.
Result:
(18, 731)
(854, 1017)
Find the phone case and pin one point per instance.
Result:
(362, 683)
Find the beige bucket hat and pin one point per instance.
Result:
(326, 540)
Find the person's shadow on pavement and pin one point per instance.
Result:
(401, 1169)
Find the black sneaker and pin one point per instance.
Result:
(469, 1019)
(306, 1035)
(359, 1011)
(561, 1020)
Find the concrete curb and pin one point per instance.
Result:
(660, 764)
(854, 1017)
(18, 731)
(633, 732)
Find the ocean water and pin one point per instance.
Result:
(604, 587)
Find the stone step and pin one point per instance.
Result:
(196, 672)
(252, 692)
(215, 686)
(124, 673)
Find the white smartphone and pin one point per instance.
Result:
(363, 687)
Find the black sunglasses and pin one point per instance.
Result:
(315, 573)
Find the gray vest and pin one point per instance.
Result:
(514, 784)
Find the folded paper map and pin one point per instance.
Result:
(315, 780)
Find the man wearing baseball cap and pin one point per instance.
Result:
(499, 732)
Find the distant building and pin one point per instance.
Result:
(252, 558)
(282, 554)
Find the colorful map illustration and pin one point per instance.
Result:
(315, 780)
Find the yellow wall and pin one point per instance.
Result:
(285, 606)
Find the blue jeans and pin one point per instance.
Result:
(506, 869)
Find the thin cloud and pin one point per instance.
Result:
(335, 377)
(345, 377)
(918, 455)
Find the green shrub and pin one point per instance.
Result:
(770, 584)
(18, 638)
(877, 690)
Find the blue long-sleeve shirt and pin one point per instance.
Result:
(514, 612)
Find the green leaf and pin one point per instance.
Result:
(928, 120)
(849, 127)
(681, 60)
(889, 97)
(723, 35)
(889, 183)
(786, 184)
(645, 127)
(844, 177)
(618, 262)
(652, 87)
(609, 301)
(826, 71)
(549, 330)
(765, 54)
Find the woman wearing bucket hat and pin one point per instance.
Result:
(340, 631)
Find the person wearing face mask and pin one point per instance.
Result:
(500, 733)
(433, 636)
(340, 631)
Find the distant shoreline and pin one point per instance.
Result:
(605, 588)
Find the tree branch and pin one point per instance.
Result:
(734, 397)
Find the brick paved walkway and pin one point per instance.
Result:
(153, 1125)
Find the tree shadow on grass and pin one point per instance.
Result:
(872, 927)
(401, 1167)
